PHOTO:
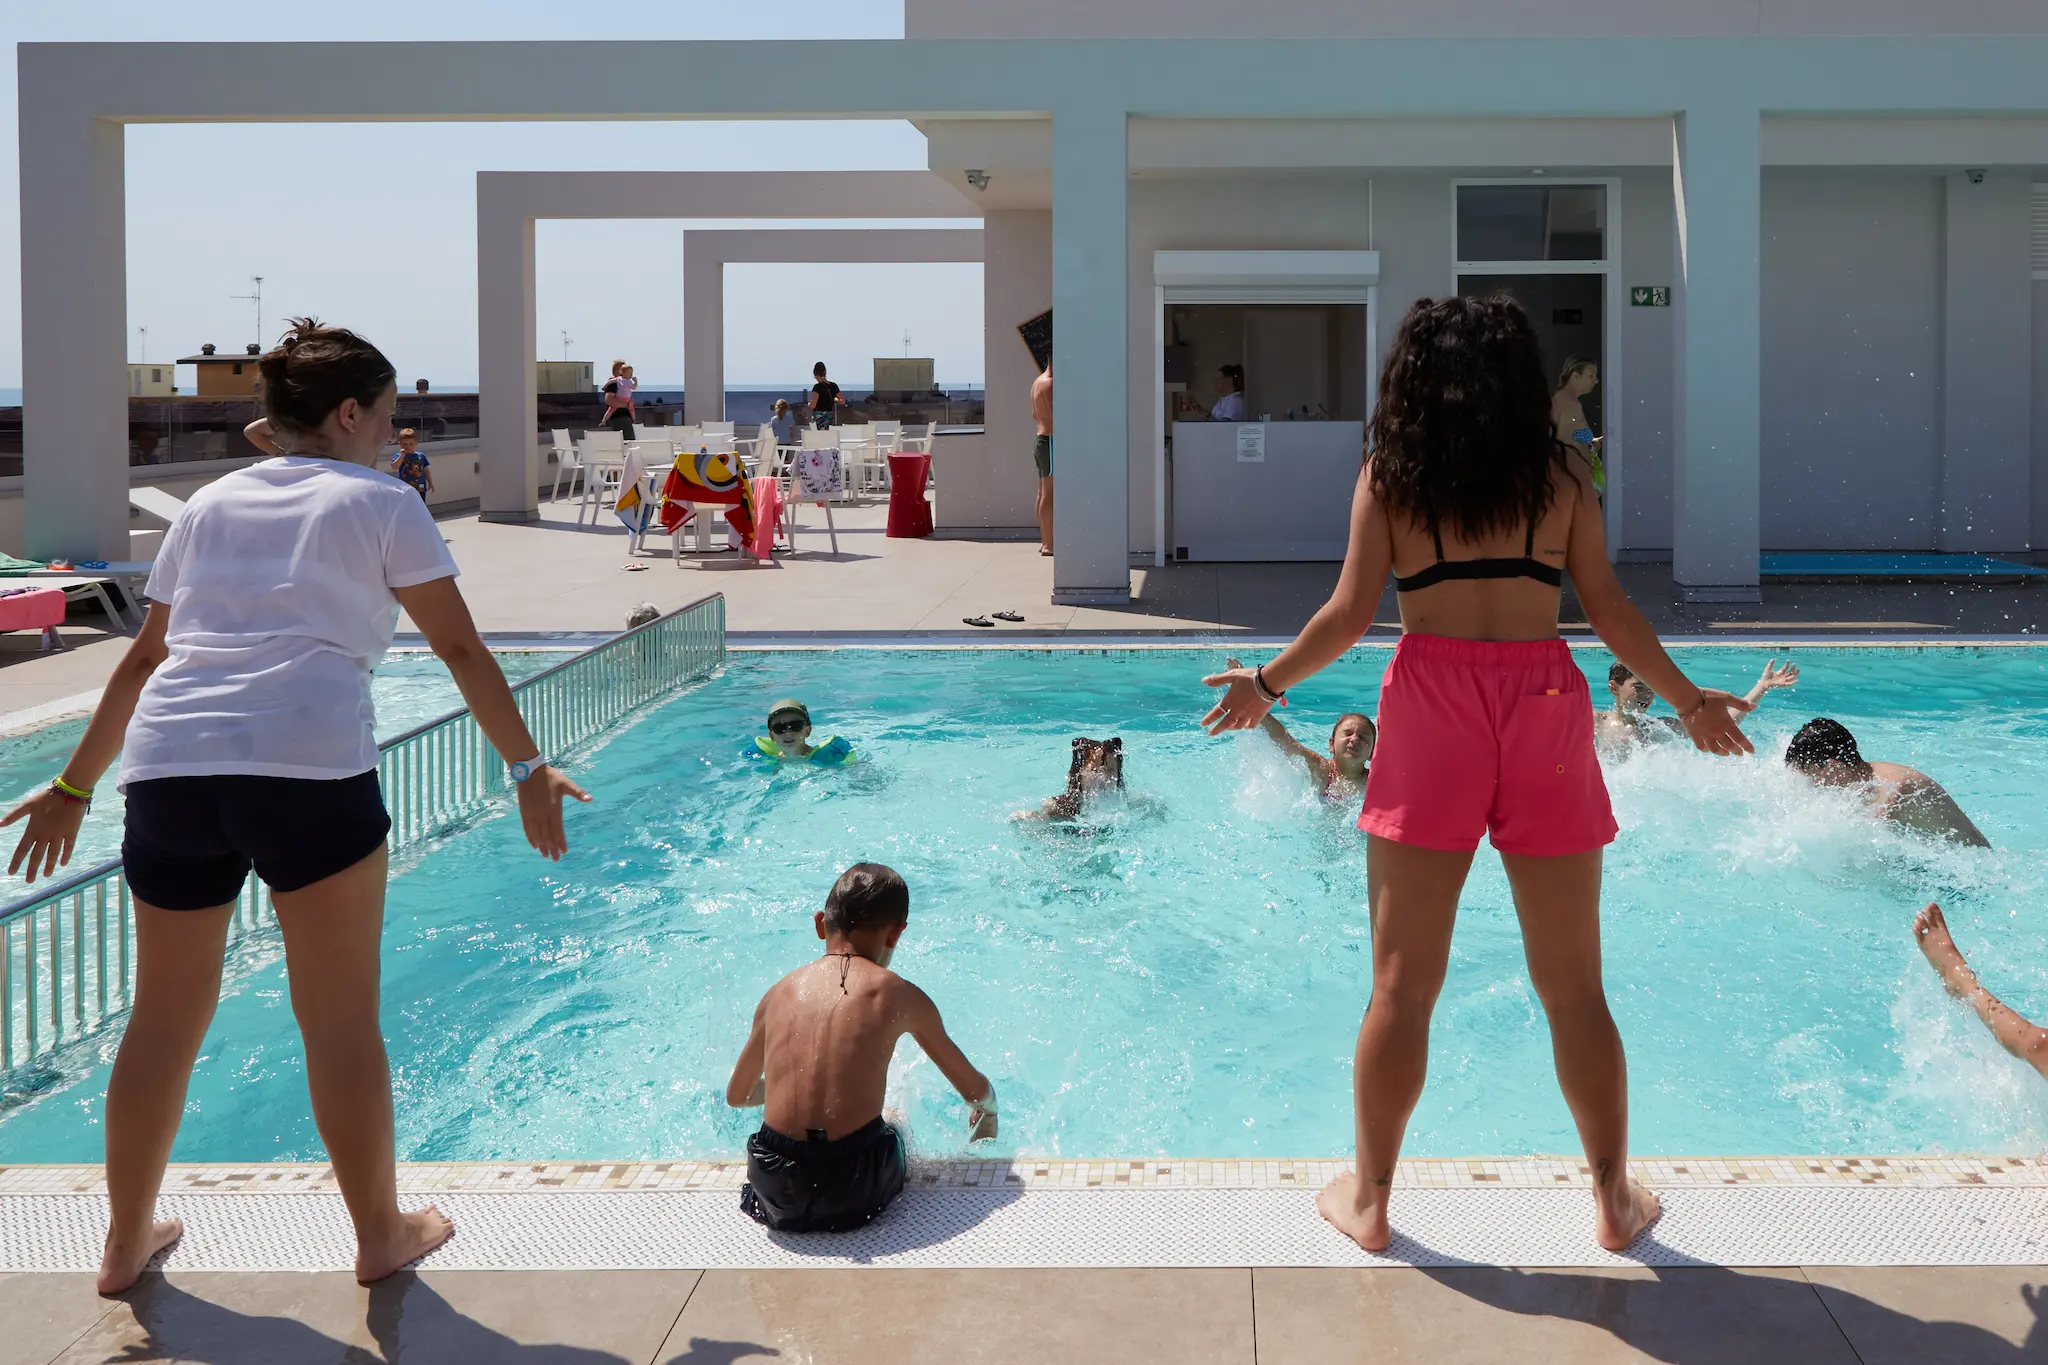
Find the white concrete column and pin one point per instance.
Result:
(507, 342)
(703, 335)
(1717, 184)
(997, 489)
(1987, 363)
(1091, 403)
(74, 328)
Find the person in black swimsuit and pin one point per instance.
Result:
(826, 399)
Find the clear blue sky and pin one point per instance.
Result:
(210, 206)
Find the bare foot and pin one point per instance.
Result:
(1354, 1210)
(123, 1263)
(417, 1234)
(1930, 931)
(1617, 1227)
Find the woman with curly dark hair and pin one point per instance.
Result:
(1486, 725)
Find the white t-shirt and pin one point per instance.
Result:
(278, 578)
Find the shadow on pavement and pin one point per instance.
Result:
(1709, 1315)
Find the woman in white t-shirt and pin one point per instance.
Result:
(243, 720)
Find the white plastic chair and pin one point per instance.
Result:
(888, 436)
(602, 455)
(827, 439)
(566, 464)
(921, 445)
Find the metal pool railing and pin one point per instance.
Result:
(67, 952)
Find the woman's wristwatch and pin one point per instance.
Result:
(522, 771)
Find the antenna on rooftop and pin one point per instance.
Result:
(906, 343)
(567, 342)
(142, 347)
(256, 297)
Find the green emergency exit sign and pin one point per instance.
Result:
(1650, 296)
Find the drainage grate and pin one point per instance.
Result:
(1001, 1229)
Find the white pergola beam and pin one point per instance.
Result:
(508, 203)
(706, 253)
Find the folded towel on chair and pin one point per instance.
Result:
(767, 516)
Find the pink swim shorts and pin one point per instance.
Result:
(1492, 737)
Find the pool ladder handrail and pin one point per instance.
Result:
(434, 775)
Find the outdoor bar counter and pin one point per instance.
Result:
(1264, 490)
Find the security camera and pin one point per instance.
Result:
(979, 179)
(1976, 177)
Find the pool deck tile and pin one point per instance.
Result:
(44, 1315)
(1480, 1316)
(915, 1317)
(1454, 1316)
(1900, 1316)
(472, 1317)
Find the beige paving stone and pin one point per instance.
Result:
(41, 1316)
(470, 1317)
(1480, 1316)
(967, 1317)
(1957, 1315)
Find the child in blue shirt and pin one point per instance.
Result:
(410, 465)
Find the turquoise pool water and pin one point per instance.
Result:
(409, 688)
(1186, 979)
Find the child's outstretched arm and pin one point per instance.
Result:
(749, 1084)
(2015, 1033)
(978, 1090)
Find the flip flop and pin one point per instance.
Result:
(1006, 616)
(635, 568)
(981, 621)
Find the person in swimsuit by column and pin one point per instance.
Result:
(1041, 455)
(1473, 505)
(1568, 416)
(1339, 774)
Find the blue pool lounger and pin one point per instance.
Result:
(1832, 566)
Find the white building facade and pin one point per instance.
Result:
(1806, 241)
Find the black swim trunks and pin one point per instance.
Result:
(812, 1184)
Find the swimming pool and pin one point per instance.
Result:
(409, 688)
(1187, 978)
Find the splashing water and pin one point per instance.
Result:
(1184, 974)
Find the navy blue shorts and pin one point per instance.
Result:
(189, 842)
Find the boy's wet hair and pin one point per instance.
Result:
(867, 896)
(1820, 741)
(1619, 674)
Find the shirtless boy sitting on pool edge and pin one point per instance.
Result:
(818, 1061)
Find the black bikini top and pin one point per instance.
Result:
(1528, 566)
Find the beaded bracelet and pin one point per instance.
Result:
(73, 795)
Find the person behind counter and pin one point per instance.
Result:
(1229, 396)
